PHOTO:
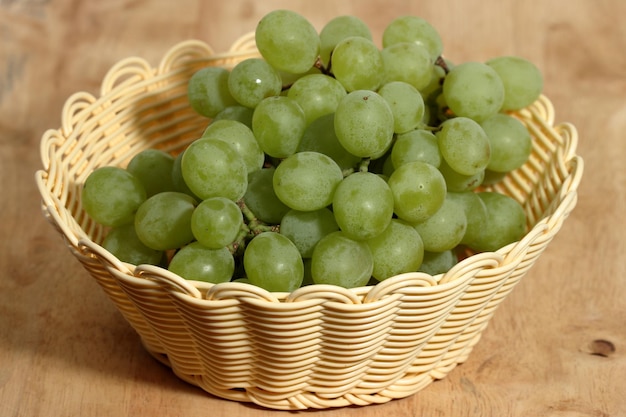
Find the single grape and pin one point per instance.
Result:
(493, 177)
(212, 168)
(306, 181)
(357, 64)
(288, 41)
(236, 112)
(509, 140)
(278, 124)
(261, 199)
(408, 62)
(506, 222)
(416, 145)
(153, 168)
(338, 29)
(208, 91)
(320, 136)
(522, 80)
(435, 86)
(163, 221)
(436, 263)
(317, 95)
(177, 177)
(273, 262)
(252, 80)
(397, 250)
(414, 29)
(122, 241)
(198, 263)
(445, 229)
(464, 145)
(406, 103)
(364, 124)
(216, 222)
(241, 138)
(363, 205)
(475, 212)
(419, 190)
(112, 195)
(459, 182)
(339, 260)
(474, 90)
(306, 228)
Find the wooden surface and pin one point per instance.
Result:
(65, 350)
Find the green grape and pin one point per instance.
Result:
(239, 113)
(212, 168)
(406, 103)
(363, 205)
(320, 136)
(434, 87)
(408, 62)
(339, 260)
(317, 94)
(397, 250)
(475, 212)
(419, 190)
(289, 79)
(306, 181)
(459, 182)
(357, 64)
(436, 263)
(198, 263)
(306, 228)
(416, 145)
(474, 90)
(177, 177)
(523, 82)
(308, 278)
(464, 145)
(241, 138)
(278, 124)
(493, 177)
(387, 169)
(208, 91)
(510, 142)
(112, 195)
(288, 41)
(364, 124)
(122, 241)
(273, 262)
(338, 29)
(153, 168)
(261, 199)
(506, 222)
(252, 80)
(163, 221)
(216, 222)
(414, 29)
(445, 229)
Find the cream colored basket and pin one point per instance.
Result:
(320, 346)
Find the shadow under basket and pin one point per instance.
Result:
(320, 346)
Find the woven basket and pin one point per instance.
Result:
(319, 346)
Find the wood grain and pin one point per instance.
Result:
(64, 349)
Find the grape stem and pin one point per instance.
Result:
(250, 228)
(442, 63)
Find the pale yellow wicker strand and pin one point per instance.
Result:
(320, 346)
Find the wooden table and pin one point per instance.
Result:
(556, 346)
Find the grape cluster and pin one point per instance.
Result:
(328, 160)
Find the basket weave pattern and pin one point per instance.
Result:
(319, 346)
